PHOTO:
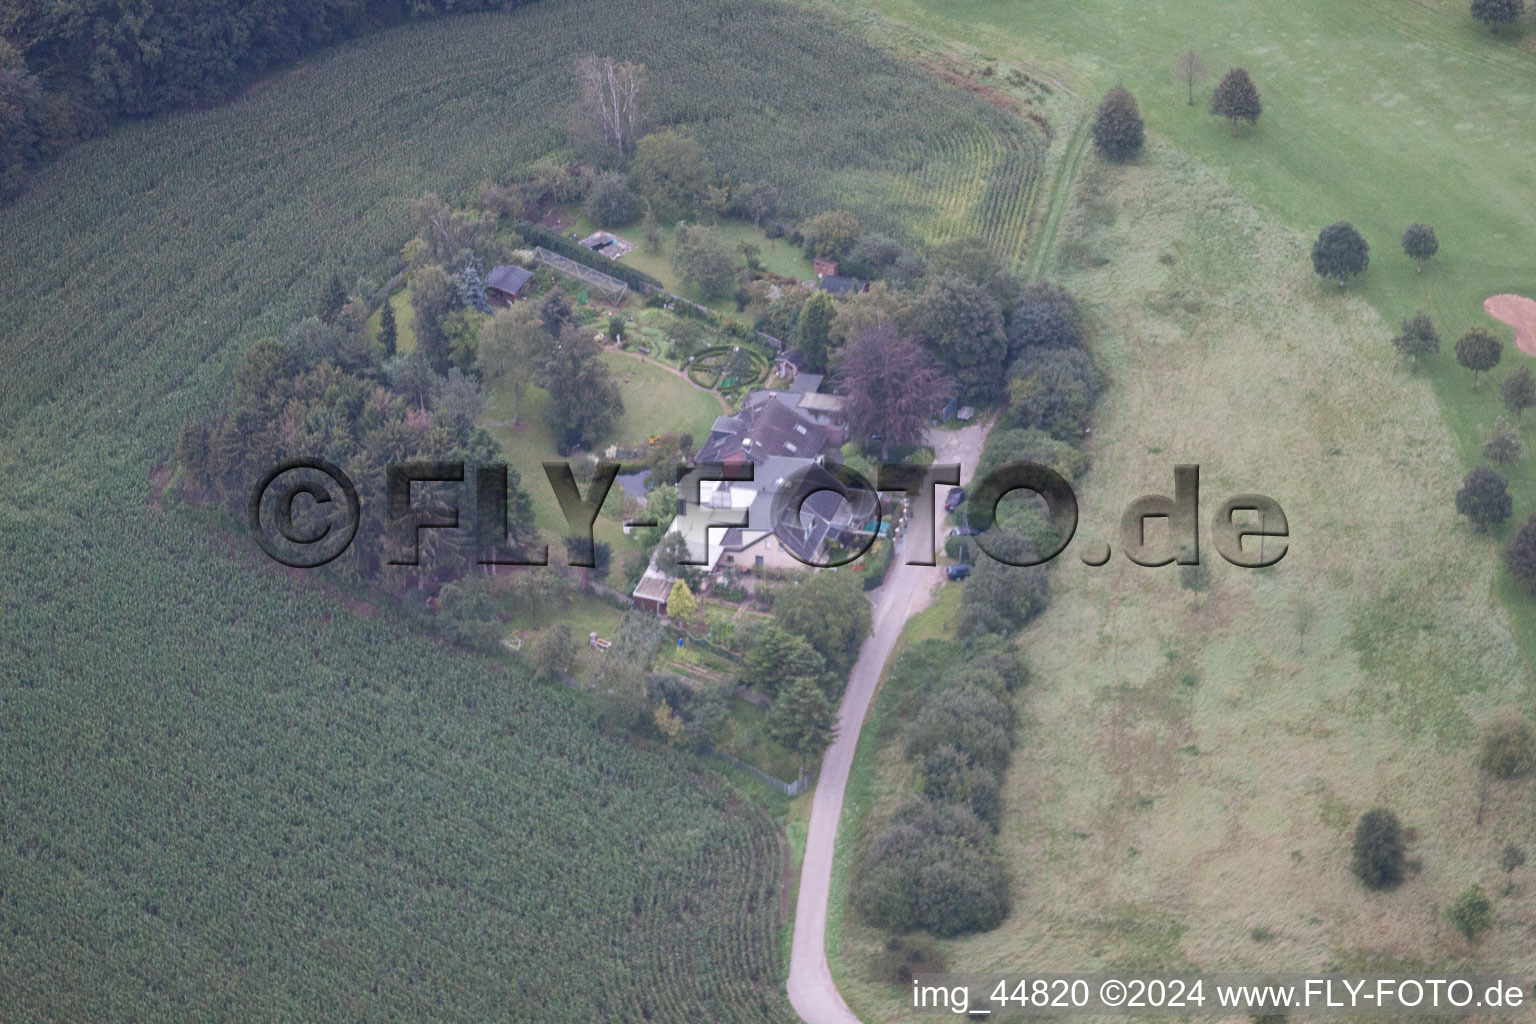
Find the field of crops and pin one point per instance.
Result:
(979, 183)
(226, 794)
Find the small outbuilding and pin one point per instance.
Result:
(824, 267)
(506, 284)
(839, 285)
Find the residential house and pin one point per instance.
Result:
(793, 506)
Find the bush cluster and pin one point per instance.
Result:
(933, 866)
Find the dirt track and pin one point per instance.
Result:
(1520, 313)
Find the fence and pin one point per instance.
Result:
(611, 288)
(795, 788)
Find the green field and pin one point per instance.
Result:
(1191, 764)
(231, 793)
(1377, 112)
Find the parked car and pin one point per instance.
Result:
(965, 531)
(956, 496)
(958, 571)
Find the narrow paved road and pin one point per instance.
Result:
(906, 591)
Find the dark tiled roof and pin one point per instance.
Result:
(839, 285)
(773, 427)
(508, 279)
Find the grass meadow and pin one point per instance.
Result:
(1191, 764)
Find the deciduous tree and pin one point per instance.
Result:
(1518, 391)
(1508, 748)
(554, 649)
(1420, 243)
(814, 328)
(802, 720)
(893, 386)
(1497, 13)
(432, 298)
(1484, 498)
(508, 343)
(671, 172)
(584, 401)
(704, 261)
(831, 234)
(1379, 853)
(1417, 337)
(1045, 316)
(831, 612)
(613, 101)
(1340, 252)
(1471, 912)
(1503, 447)
(776, 655)
(1189, 69)
(962, 328)
(1520, 556)
(1479, 350)
(611, 203)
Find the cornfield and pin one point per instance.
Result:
(229, 794)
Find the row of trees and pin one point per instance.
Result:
(933, 864)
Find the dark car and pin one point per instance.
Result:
(956, 496)
(965, 531)
(958, 571)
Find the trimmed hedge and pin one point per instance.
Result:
(534, 235)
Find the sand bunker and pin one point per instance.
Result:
(1520, 313)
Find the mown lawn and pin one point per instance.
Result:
(659, 401)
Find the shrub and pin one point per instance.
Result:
(930, 869)
(1471, 912)
(965, 719)
(1378, 849)
(1054, 390)
(1045, 316)
(1484, 498)
(953, 776)
(1000, 598)
(1509, 748)
(902, 959)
